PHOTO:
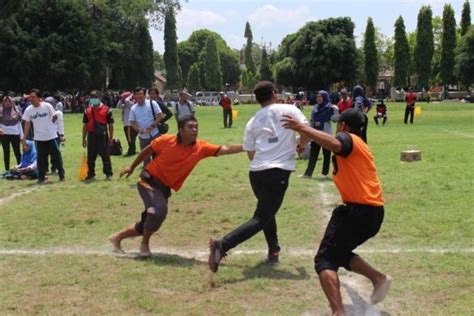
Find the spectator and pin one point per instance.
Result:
(154, 95)
(125, 104)
(381, 109)
(145, 115)
(43, 116)
(27, 169)
(226, 103)
(184, 107)
(11, 130)
(345, 102)
(59, 130)
(410, 100)
(361, 103)
(97, 118)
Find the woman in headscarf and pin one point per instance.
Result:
(322, 114)
(360, 102)
(28, 168)
(11, 131)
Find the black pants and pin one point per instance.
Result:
(227, 117)
(14, 140)
(269, 186)
(97, 145)
(132, 149)
(53, 167)
(409, 110)
(363, 132)
(376, 119)
(350, 226)
(45, 149)
(313, 158)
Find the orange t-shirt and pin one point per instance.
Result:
(174, 162)
(355, 176)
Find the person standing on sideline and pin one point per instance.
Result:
(97, 135)
(154, 95)
(271, 150)
(145, 116)
(410, 100)
(176, 156)
(43, 116)
(184, 107)
(125, 104)
(361, 214)
(11, 131)
(60, 139)
(226, 103)
(345, 102)
(321, 116)
(361, 103)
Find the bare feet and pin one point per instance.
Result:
(380, 290)
(114, 239)
(145, 251)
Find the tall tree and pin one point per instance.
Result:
(249, 62)
(465, 17)
(370, 55)
(464, 68)
(402, 54)
(448, 44)
(265, 71)
(424, 46)
(319, 54)
(194, 78)
(170, 56)
(213, 74)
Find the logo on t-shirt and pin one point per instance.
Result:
(34, 117)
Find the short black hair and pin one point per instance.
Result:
(96, 93)
(36, 91)
(263, 91)
(354, 119)
(154, 89)
(182, 122)
(139, 89)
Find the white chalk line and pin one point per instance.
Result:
(14, 195)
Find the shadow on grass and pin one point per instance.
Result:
(165, 259)
(359, 305)
(270, 272)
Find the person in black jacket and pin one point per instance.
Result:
(154, 95)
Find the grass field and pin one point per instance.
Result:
(426, 242)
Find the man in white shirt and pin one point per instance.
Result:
(43, 116)
(184, 107)
(271, 150)
(145, 115)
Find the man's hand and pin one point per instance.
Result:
(291, 123)
(127, 171)
(62, 139)
(84, 143)
(1, 131)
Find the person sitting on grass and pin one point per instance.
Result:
(27, 169)
(176, 156)
(361, 214)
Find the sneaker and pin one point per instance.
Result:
(62, 179)
(108, 178)
(273, 258)
(89, 179)
(305, 176)
(216, 254)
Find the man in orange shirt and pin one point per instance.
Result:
(176, 156)
(361, 215)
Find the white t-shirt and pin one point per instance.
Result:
(274, 145)
(183, 109)
(42, 119)
(59, 123)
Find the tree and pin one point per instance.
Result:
(194, 78)
(370, 55)
(465, 17)
(170, 56)
(9, 7)
(424, 46)
(464, 67)
(265, 72)
(402, 54)
(249, 80)
(213, 74)
(320, 53)
(249, 62)
(158, 62)
(448, 44)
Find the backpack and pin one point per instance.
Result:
(116, 148)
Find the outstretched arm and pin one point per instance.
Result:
(325, 140)
(229, 149)
(146, 152)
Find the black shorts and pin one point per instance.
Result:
(350, 226)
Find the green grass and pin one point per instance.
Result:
(429, 205)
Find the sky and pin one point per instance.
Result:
(271, 21)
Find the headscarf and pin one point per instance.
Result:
(322, 112)
(9, 116)
(359, 101)
(51, 101)
(29, 156)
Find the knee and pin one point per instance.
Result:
(154, 219)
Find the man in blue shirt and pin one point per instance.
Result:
(145, 115)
